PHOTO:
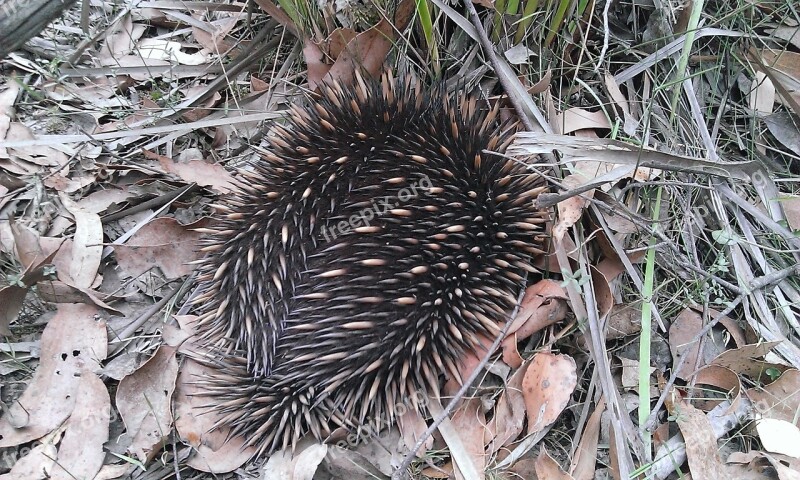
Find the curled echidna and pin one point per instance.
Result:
(361, 256)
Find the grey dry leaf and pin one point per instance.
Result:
(780, 399)
(87, 244)
(144, 402)
(36, 465)
(300, 466)
(701, 448)
(73, 344)
(80, 453)
(162, 243)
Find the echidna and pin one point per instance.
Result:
(364, 252)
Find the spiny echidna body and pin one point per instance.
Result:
(363, 254)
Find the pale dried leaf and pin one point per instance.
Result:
(80, 453)
(779, 436)
(73, 343)
(162, 243)
(87, 244)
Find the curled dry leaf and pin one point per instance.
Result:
(144, 402)
(580, 119)
(544, 304)
(547, 388)
(571, 209)
(73, 344)
(509, 414)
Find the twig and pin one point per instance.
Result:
(489, 49)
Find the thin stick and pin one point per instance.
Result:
(489, 49)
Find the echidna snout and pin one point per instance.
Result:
(365, 251)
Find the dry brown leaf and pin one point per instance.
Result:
(544, 304)
(682, 333)
(80, 453)
(217, 41)
(509, 414)
(779, 436)
(547, 387)
(300, 466)
(368, 49)
(353, 465)
(120, 40)
(115, 471)
(787, 468)
(549, 469)
(624, 320)
(73, 343)
(762, 96)
(785, 61)
(412, 425)
(580, 119)
(144, 402)
(791, 207)
(455, 439)
(162, 243)
(204, 109)
(780, 399)
(87, 244)
(30, 160)
(723, 379)
(571, 209)
(602, 290)
(196, 171)
(470, 423)
(747, 360)
(585, 460)
(615, 93)
(701, 448)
